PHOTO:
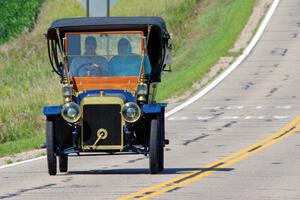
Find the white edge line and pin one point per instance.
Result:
(240, 59)
(22, 162)
(209, 87)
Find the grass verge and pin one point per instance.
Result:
(204, 31)
(11, 148)
(27, 83)
(214, 33)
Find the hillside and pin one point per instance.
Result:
(17, 16)
(27, 84)
(203, 31)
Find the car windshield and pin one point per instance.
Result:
(105, 54)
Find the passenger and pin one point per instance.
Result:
(89, 64)
(127, 63)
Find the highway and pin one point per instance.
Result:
(240, 141)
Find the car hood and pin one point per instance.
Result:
(124, 95)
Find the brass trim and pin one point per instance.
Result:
(65, 118)
(141, 98)
(102, 135)
(66, 99)
(102, 100)
(103, 147)
(142, 82)
(139, 110)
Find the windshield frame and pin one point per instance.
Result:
(66, 48)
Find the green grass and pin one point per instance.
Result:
(27, 83)
(203, 31)
(217, 29)
(9, 161)
(21, 145)
(16, 16)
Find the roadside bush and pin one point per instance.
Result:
(16, 16)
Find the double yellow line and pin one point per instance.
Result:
(179, 181)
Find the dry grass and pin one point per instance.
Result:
(144, 7)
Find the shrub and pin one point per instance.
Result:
(16, 16)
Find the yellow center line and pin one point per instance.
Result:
(190, 177)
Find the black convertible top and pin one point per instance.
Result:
(158, 40)
(106, 24)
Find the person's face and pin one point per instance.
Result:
(123, 48)
(90, 47)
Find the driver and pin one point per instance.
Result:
(90, 64)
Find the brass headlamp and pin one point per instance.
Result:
(67, 92)
(142, 89)
(71, 112)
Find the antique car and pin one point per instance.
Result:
(109, 68)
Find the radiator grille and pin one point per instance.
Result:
(97, 117)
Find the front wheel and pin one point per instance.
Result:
(51, 156)
(156, 148)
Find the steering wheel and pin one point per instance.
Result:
(90, 69)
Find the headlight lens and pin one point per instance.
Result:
(142, 89)
(131, 112)
(71, 112)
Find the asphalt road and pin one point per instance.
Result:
(208, 157)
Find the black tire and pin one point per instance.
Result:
(161, 158)
(156, 149)
(51, 156)
(161, 144)
(63, 163)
